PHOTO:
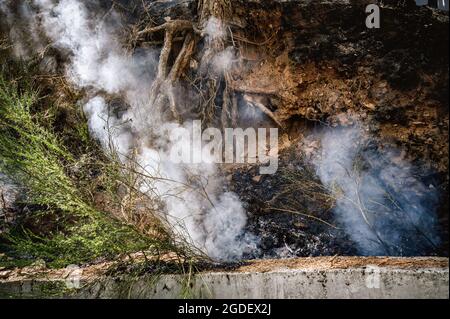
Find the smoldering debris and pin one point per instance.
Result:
(379, 198)
(98, 63)
(341, 192)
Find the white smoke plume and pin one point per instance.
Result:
(217, 61)
(205, 214)
(215, 29)
(223, 61)
(380, 202)
(18, 17)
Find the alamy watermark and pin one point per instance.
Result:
(193, 145)
(373, 19)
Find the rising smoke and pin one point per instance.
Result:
(380, 202)
(203, 213)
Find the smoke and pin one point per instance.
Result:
(197, 206)
(380, 202)
(215, 29)
(19, 17)
(111, 132)
(217, 59)
(223, 60)
(9, 192)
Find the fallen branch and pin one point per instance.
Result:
(266, 111)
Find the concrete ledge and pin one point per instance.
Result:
(368, 281)
(293, 284)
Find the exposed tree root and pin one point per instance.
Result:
(162, 90)
(264, 109)
(217, 87)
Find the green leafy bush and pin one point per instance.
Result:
(65, 228)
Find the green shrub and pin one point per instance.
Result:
(34, 157)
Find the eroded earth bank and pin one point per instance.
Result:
(362, 117)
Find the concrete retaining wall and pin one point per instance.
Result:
(367, 282)
(323, 284)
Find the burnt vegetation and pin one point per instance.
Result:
(302, 65)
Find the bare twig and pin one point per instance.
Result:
(305, 215)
